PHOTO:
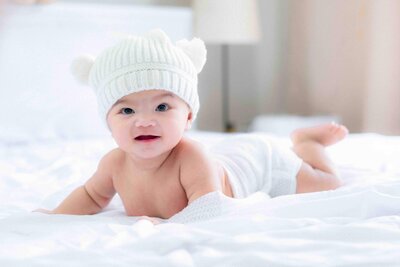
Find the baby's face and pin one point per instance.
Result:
(148, 123)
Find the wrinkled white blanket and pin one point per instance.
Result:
(359, 203)
(357, 225)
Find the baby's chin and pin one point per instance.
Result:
(148, 155)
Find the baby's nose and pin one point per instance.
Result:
(144, 122)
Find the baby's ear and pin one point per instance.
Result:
(189, 121)
(196, 51)
(159, 35)
(80, 68)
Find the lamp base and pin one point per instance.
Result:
(230, 127)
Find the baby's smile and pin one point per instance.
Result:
(147, 138)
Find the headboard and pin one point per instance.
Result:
(39, 99)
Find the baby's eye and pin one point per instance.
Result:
(162, 107)
(127, 111)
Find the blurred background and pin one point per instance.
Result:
(281, 63)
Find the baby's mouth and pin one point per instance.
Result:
(146, 137)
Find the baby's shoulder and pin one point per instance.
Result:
(114, 158)
(190, 150)
(189, 146)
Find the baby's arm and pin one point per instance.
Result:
(94, 195)
(199, 174)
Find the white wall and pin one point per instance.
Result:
(382, 103)
(344, 59)
(328, 58)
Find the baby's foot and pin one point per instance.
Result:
(326, 134)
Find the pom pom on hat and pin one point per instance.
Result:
(195, 50)
(80, 68)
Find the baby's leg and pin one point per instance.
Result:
(317, 172)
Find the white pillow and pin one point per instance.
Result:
(39, 98)
(283, 125)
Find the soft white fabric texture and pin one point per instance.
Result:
(255, 162)
(357, 225)
(146, 62)
(366, 202)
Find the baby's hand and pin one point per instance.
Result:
(44, 211)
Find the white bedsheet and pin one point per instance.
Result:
(357, 225)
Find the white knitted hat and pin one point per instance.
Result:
(140, 63)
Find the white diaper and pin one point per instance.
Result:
(257, 163)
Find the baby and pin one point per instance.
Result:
(146, 88)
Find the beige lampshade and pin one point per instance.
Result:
(226, 21)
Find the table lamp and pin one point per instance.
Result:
(225, 23)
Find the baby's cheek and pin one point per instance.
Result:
(120, 138)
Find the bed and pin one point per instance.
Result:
(44, 156)
(356, 225)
